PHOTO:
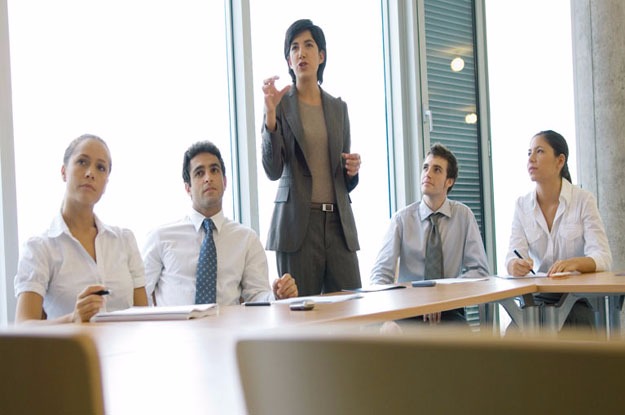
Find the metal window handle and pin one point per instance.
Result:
(428, 115)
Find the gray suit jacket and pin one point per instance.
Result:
(284, 158)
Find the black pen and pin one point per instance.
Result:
(258, 303)
(520, 257)
(102, 292)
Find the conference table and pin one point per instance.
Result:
(189, 367)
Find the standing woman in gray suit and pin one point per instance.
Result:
(306, 144)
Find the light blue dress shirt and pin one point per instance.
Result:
(405, 240)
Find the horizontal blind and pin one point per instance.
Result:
(449, 33)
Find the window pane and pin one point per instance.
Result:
(355, 72)
(531, 89)
(452, 90)
(148, 77)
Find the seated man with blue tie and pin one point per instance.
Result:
(434, 238)
(206, 257)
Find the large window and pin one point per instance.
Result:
(149, 77)
(355, 72)
(531, 89)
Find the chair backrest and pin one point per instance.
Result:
(49, 373)
(448, 375)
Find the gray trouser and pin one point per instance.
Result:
(323, 263)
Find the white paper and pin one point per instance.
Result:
(459, 280)
(319, 299)
(539, 275)
(523, 277)
(143, 313)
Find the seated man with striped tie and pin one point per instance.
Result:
(206, 257)
(434, 238)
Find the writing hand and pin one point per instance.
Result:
(88, 303)
(520, 267)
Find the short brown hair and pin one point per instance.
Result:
(439, 150)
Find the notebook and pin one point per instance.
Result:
(182, 312)
(540, 275)
(375, 288)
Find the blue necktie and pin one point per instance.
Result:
(434, 251)
(206, 274)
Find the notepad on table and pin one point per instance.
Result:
(182, 312)
(375, 288)
(460, 280)
(320, 299)
(539, 275)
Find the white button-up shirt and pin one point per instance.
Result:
(56, 266)
(577, 230)
(171, 255)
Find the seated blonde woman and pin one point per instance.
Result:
(79, 265)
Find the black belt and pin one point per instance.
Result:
(325, 207)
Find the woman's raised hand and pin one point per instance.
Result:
(273, 96)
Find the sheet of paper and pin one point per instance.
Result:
(142, 313)
(459, 280)
(511, 277)
(319, 299)
(375, 288)
(539, 275)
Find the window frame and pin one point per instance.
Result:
(8, 194)
(408, 129)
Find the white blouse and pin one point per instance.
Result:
(56, 266)
(577, 230)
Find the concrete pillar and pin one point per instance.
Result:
(598, 28)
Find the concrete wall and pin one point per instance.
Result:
(599, 71)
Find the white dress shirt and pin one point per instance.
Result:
(56, 266)
(577, 230)
(406, 237)
(171, 254)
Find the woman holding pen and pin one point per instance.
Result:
(557, 227)
(68, 273)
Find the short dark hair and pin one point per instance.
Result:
(295, 29)
(558, 143)
(194, 150)
(69, 151)
(439, 150)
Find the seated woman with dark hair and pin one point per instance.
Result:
(556, 227)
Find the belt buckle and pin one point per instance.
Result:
(327, 207)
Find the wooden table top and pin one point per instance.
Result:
(189, 367)
(600, 282)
